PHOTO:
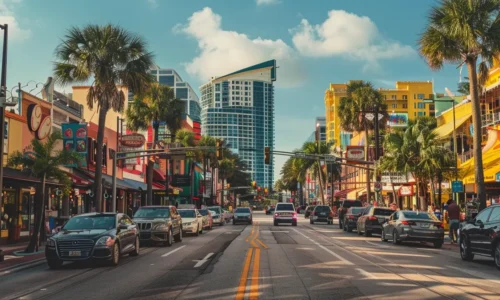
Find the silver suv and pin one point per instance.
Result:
(159, 224)
(285, 213)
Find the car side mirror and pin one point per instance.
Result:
(480, 223)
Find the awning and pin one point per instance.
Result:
(159, 175)
(136, 185)
(79, 178)
(14, 174)
(446, 129)
(343, 193)
(491, 165)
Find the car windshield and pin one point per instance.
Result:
(418, 215)
(187, 213)
(322, 208)
(348, 204)
(106, 222)
(215, 209)
(382, 212)
(152, 212)
(285, 206)
(357, 210)
(203, 212)
(242, 210)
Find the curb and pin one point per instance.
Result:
(22, 266)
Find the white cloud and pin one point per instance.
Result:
(267, 2)
(348, 35)
(223, 52)
(16, 33)
(153, 3)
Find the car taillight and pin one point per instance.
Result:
(372, 218)
(439, 225)
(294, 215)
(408, 223)
(276, 214)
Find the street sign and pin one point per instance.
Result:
(121, 155)
(369, 116)
(134, 140)
(378, 186)
(457, 187)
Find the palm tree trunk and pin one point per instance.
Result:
(433, 191)
(150, 167)
(368, 183)
(98, 157)
(396, 198)
(39, 217)
(476, 122)
(440, 181)
(417, 185)
(320, 175)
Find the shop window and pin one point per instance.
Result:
(10, 210)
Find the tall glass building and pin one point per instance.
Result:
(239, 108)
(182, 90)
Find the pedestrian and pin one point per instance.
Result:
(453, 219)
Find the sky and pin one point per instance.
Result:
(314, 42)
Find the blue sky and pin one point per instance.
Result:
(314, 42)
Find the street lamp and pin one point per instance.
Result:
(452, 101)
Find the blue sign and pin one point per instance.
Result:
(497, 177)
(457, 186)
(75, 139)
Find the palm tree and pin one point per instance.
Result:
(46, 165)
(204, 155)
(149, 108)
(361, 97)
(226, 170)
(464, 87)
(107, 56)
(465, 32)
(175, 111)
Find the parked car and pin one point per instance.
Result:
(192, 221)
(103, 236)
(218, 217)
(309, 210)
(321, 213)
(228, 216)
(351, 218)
(371, 220)
(413, 226)
(207, 218)
(344, 206)
(242, 215)
(285, 213)
(481, 235)
(159, 224)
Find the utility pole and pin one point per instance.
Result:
(119, 124)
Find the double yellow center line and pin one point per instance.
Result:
(253, 252)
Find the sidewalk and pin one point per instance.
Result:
(13, 258)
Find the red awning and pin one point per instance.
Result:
(343, 193)
(158, 186)
(79, 180)
(158, 175)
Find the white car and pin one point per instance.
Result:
(218, 215)
(192, 221)
(285, 213)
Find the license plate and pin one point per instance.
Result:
(323, 214)
(425, 225)
(285, 214)
(75, 253)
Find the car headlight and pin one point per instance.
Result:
(162, 227)
(105, 241)
(51, 243)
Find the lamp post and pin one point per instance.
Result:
(119, 125)
(455, 153)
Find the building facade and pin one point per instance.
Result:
(182, 90)
(239, 108)
(404, 102)
(320, 125)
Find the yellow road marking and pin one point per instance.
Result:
(262, 243)
(240, 295)
(254, 288)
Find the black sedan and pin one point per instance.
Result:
(103, 236)
(351, 218)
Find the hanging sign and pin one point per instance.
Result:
(75, 139)
(134, 140)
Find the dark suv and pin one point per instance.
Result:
(159, 224)
(104, 236)
(344, 206)
(481, 236)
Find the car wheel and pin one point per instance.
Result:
(136, 250)
(201, 231)
(348, 228)
(382, 237)
(178, 237)
(497, 255)
(340, 224)
(438, 244)
(169, 241)
(54, 264)
(395, 240)
(465, 252)
(115, 254)
(275, 223)
(294, 223)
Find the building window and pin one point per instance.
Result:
(421, 105)
(405, 105)
(393, 97)
(394, 106)
(181, 93)
(420, 96)
(405, 97)
(217, 87)
(167, 80)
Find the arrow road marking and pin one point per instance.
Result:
(6, 257)
(202, 261)
(173, 251)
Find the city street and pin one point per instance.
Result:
(265, 262)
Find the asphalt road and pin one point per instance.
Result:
(265, 262)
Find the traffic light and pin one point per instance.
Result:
(218, 150)
(254, 184)
(267, 155)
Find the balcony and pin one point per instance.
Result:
(490, 119)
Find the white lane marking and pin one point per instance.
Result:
(326, 249)
(7, 257)
(173, 251)
(366, 274)
(477, 274)
(204, 260)
(284, 231)
(377, 245)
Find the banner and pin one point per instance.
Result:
(398, 120)
(75, 138)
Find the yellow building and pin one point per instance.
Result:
(404, 102)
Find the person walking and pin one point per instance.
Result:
(453, 220)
